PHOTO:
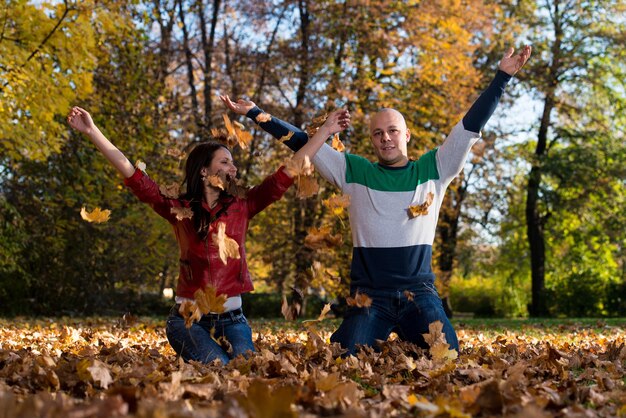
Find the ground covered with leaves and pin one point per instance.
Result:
(110, 368)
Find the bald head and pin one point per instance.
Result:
(390, 135)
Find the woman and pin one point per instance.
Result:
(199, 217)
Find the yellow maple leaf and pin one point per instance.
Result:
(236, 133)
(307, 186)
(190, 312)
(228, 247)
(171, 190)
(422, 208)
(360, 300)
(96, 216)
(337, 203)
(182, 213)
(208, 300)
(263, 117)
(337, 144)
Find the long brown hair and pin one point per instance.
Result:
(200, 157)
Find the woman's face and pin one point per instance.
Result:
(222, 162)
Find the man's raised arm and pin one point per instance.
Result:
(277, 128)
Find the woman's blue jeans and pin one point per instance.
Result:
(394, 311)
(196, 343)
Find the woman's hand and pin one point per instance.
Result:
(241, 107)
(511, 64)
(80, 120)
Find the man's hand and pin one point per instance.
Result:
(511, 64)
(80, 120)
(337, 121)
(242, 107)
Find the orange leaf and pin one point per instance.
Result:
(337, 144)
(422, 208)
(208, 300)
(96, 216)
(228, 247)
(360, 300)
(307, 187)
(337, 203)
(287, 137)
(263, 117)
(322, 238)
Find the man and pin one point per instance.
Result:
(391, 258)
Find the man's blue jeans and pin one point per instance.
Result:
(394, 311)
(195, 343)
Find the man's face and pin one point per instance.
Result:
(389, 136)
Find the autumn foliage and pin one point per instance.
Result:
(110, 368)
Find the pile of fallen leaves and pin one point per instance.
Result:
(100, 368)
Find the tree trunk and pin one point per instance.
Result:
(207, 49)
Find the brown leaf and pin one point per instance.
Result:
(264, 401)
(287, 137)
(182, 213)
(322, 238)
(306, 187)
(337, 204)
(228, 247)
(409, 295)
(171, 191)
(209, 301)
(292, 311)
(298, 167)
(422, 208)
(360, 300)
(176, 153)
(190, 312)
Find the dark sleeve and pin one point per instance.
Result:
(279, 129)
(482, 109)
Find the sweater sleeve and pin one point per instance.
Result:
(482, 109)
(279, 129)
(270, 190)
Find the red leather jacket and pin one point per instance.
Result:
(199, 259)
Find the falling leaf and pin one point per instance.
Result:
(263, 117)
(287, 137)
(176, 153)
(360, 300)
(96, 216)
(140, 165)
(299, 167)
(315, 124)
(236, 134)
(324, 312)
(322, 238)
(422, 208)
(307, 186)
(337, 144)
(409, 295)
(228, 247)
(209, 301)
(337, 204)
(439, 347)
(181, 212)
(292, 311)
(218, 180)
(171, 191)
(190, 311)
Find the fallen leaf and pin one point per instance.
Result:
(96, 216)
(228, 247)
(422, 208)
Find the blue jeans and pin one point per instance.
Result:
(393, 311)
(195, 343)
